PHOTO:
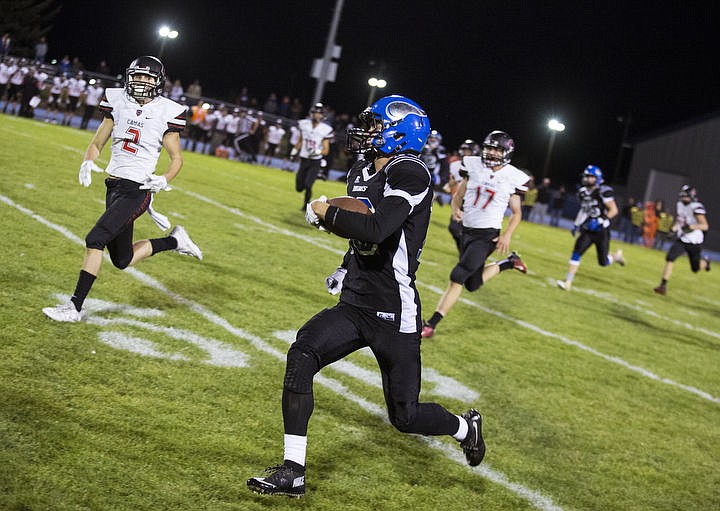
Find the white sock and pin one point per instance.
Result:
(295, 448)
(462, 430)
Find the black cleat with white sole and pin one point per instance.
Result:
(473, 446)
(279, 480)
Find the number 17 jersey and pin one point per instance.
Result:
(488, 192)
(138, 131)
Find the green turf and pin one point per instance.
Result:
(606, 397)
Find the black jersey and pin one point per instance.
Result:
(593, 204)
(384, 254)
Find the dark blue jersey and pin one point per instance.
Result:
(385, 246)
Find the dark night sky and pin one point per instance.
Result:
(474, 66)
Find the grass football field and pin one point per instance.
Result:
(168, 396)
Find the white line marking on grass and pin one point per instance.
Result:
(642, 308)
(609, 358)
(535, 498)
(577, 344)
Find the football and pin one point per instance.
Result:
(348, 204)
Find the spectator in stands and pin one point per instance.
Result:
(194, 89)
(665, 221)
(197, 116)
(41, 49)
(77, 66)
(296, 109)
(542, 202)
(76, 87)
(274, 136)
(649, 225)
(284, 107)
(626, 225)
(176, 91)
(271, 104)
(5, 43)
(93, 95)
(258, 135)
(528, 200)
(64, 65)
(103, 68)
(636, 216)
(7, 68)
(557, 204)
(28, 91)
(243, 98)
(217, 131)
(17, 79)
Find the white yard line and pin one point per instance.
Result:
(313, 240)
(535, 498)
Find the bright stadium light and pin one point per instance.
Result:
(555, 127)
(375, 83)
(166, 33)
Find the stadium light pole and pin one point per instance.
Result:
(375, 84)
(165, 33)
(555, 127)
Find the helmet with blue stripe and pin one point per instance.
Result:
(392, 125)
(593, 171)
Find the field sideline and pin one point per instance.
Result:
(167, 397)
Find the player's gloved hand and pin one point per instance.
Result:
(310, 215)
(334, 282)
(574, 230)
(86, 169)
(155, 184)
(294, 153)
(686, 228)
(594, 225)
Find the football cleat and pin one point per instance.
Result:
(185, 245)
(661, 290)
(564, 285)
(473, 446)
(67, 313)
(517, 262)
(279, 480)
(707, 263)
(618, 257)
(427, 331)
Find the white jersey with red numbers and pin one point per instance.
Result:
(138, 132)
(312, 138)
(488, 193)
(686, 216)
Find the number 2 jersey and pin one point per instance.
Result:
(381, 268)
(138, 131)
(488, 192)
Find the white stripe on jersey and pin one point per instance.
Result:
(408, 307)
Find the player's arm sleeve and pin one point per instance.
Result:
(406, 186)
(105, 107)
(177, 123)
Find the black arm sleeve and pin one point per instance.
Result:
(408, 182)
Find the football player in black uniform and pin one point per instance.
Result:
(597, 209)
(379, 305)
(435, 157)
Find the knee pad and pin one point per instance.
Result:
(460, 274)
(300, 369)
(121, 262)
(403, 419)
(97, 238)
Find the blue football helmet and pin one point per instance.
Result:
(592, 171)
(392, 125)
